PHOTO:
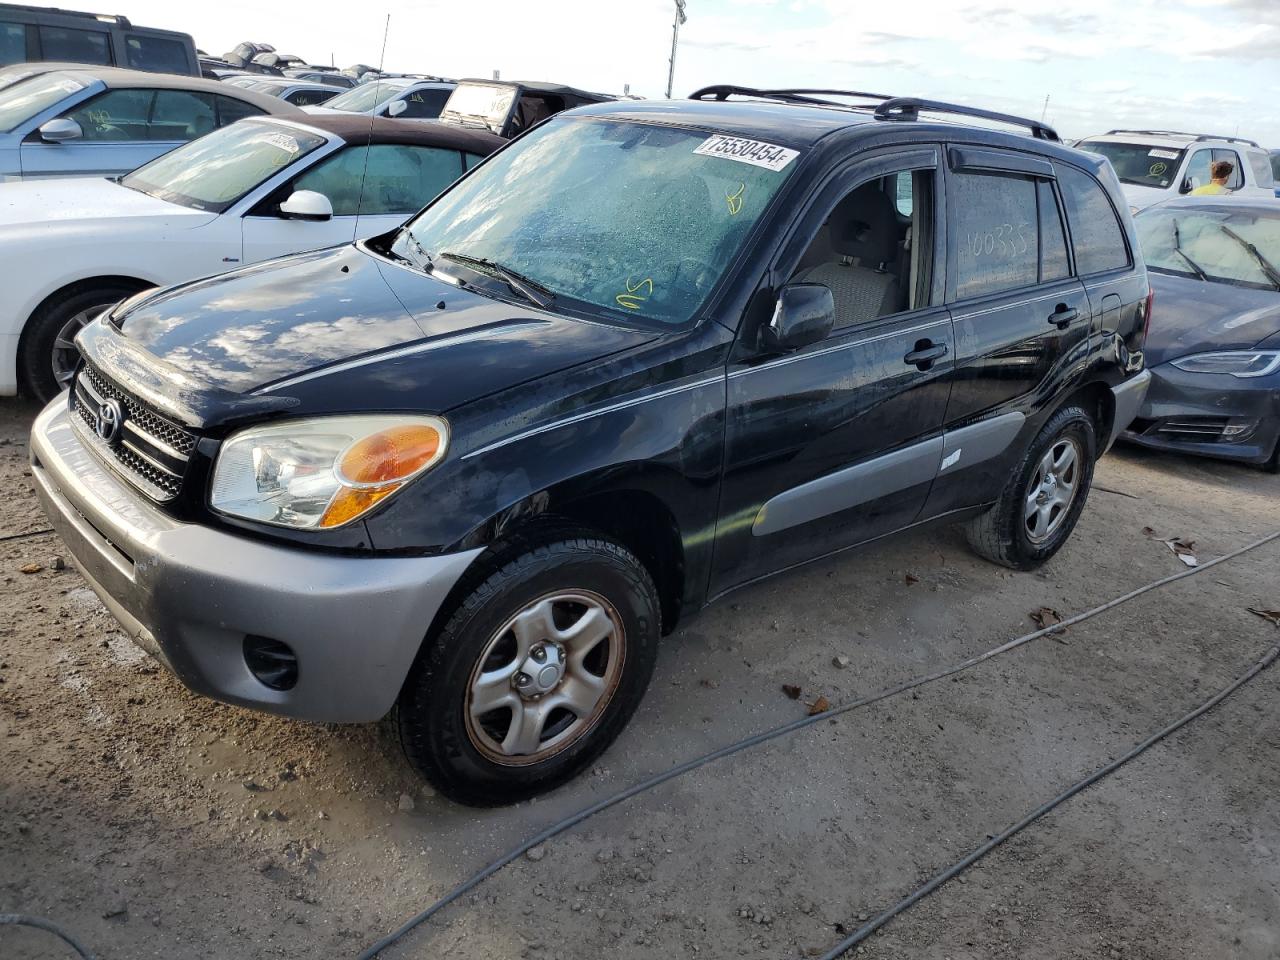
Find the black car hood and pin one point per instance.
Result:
(338, 329)
(1194, 316)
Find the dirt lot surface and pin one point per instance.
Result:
(153, 823)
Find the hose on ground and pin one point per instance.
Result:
(688, 766)
(23, 920)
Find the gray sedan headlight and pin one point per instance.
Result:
(1238, 363)
(325, 472)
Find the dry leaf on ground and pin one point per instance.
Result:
(821, 705)
(1272, 615)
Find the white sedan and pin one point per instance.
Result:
(258, 189)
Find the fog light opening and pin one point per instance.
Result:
(272, 663)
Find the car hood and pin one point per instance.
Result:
(1143, 197)
(1193, 316)
(81, 201)
(334, 330)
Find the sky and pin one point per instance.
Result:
(1208, 66)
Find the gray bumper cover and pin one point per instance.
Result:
(1128, 398)
(190, 594)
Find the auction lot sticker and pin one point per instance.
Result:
(755, 152)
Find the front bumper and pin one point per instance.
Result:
(190, 594)
(1191, 413)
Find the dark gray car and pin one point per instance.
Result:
(1214, 344)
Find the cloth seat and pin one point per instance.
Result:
(862, 231)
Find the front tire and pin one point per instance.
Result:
(47, 357)
(534, 673)
(1046, 493)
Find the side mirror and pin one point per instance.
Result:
(396, 107)
(60, 130)
(1189, 184)
(804, 314)
(307, 205)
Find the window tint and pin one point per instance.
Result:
(1053, 242)
(309, 98)
(425, 104)
(1096, 234)
(13, 43)
(993, 233)
(181, 115)
(1236, 180)
(469, 160)
(230, 110)
(873, 258)
(77, 46)
(1198, 169)
(115, 115)
(156, 53)
(397, 179)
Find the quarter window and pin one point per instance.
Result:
(398, 179)
(181, 115)
(994, 235)
(1096, 233)
(76, 46)
(156, 53)
(1053, 242)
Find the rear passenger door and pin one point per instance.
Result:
(1021, 317)
(838, 442)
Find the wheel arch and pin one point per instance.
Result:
(1099, 402)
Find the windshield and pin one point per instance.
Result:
(215, 171)
(366, 96)
(638, 220)
(482, 102)
(22, 101)
(1139, 163)
(1203, 241)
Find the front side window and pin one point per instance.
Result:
(424, 104)
(873, 256)
(158, 54)
(636, 220)
(182, 115)
(1236, 180)
(115, 115)
(215, 171)
(309, 98)
(75, 46)
(1198, 174)
(1140, 164)
(993, 233)
(21, 101)
(1213, 244)
(13, 43)
(1096, 233)
(397, 179)
(366, 96)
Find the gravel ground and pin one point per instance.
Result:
(153, 823)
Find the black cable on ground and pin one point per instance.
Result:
(22, 920)
(690, 765)
(851, 941)
(24, 536)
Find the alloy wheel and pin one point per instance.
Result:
(1052, 490)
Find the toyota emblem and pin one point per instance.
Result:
(108, 421)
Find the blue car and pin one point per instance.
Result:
(104, 121)
(1213, 347)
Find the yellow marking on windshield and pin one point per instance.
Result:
(735, 200)
(631, 300)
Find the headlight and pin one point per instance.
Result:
(322, 473)
(1238, 363)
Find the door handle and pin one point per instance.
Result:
(925, 353)
(1063, 315)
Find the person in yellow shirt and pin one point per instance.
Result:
(1221, 172)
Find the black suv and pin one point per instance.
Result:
(643, 355)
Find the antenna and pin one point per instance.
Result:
(675, 37)
(364, 171)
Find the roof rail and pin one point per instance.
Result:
(1204, 136)
(1195, 137)
(814, 97)
(908, 108)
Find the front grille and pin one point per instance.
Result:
(150, 450)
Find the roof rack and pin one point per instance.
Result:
(908, 108)
(1195, 137)
(805, 96)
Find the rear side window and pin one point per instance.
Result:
(1095, 230)
(993, 233)
(181, 115)
(77, 46)
(156, 53)
(230, 110)
(1261, 168)
(13, 43)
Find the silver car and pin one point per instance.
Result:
(104, 121)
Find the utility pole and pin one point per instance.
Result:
(675, 36)
(1045, 112)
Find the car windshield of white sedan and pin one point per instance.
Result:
(24, 99)
(636, 219)
(215, 171)
(366, 96)
(1223, 246)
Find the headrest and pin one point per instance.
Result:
(865, 225)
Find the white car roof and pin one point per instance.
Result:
(1162, 138)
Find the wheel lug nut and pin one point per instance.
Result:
(539, 654)
(522, 679)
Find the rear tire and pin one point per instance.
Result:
(47, 357)
(1046, 492)
(488, 721)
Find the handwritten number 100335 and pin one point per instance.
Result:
(1004, 240)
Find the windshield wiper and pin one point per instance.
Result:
(1267, 266)
(531, 290)
(1177, 248)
